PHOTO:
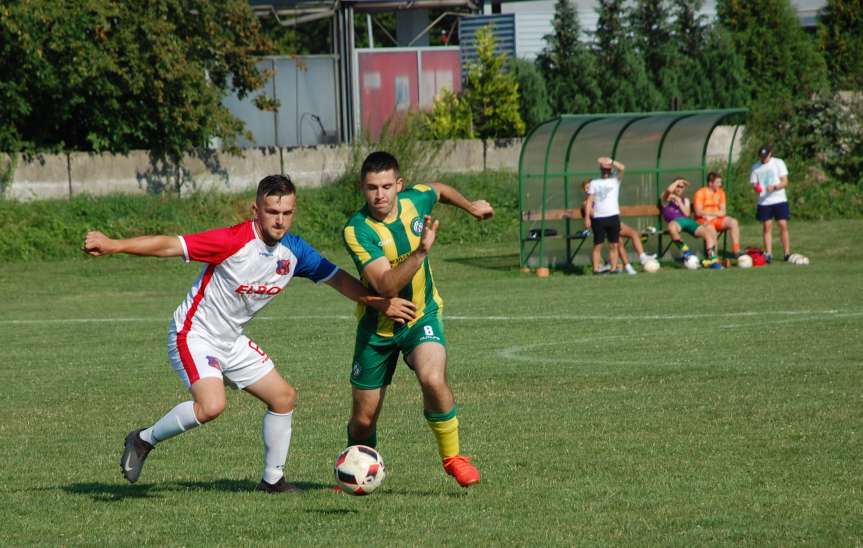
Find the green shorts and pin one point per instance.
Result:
(376, 357)
(687, 225)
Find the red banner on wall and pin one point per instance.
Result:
(395, 81)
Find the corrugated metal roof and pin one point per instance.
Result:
(503, 28)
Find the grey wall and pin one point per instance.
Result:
(59, 176)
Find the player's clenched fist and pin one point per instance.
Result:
(96, 244)
(481, 210)
(429, 233)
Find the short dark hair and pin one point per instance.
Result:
(712, 176)
(275, 185)
(377, 162)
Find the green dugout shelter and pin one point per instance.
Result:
(655, 147)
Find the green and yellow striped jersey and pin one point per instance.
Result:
(366, 239)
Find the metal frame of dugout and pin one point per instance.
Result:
(656, 147)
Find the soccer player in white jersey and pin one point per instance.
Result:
(246, 266)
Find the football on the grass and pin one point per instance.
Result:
(359, 470)
(691, 262)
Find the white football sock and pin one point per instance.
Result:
(174, 422)
(277, 441)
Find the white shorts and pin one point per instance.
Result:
(238, 364)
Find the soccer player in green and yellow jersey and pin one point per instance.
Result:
(389, 240)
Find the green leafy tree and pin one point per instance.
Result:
(622, 76)
(492, 92)
(840, 33)
(308, 38)
(568, 65)
(532, 93)
(115, 76)
(778, 55)
(652, 31)
(450, 117)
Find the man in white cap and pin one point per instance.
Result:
(769, 179)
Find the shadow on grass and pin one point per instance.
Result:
(112, 492)
(332, 511)
(506, 262)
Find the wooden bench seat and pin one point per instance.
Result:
(575, 213)
(535, 235)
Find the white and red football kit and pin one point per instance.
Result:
(242, 275)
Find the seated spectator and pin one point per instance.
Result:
(676, 211)
(709, 203)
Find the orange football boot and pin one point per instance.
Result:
(459, 466)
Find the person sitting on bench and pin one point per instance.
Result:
(676, 210)
(709, 204)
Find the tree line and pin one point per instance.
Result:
(113, 76)
(803, 88)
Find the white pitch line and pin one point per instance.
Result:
(527, 318)
(838, 316)
(515, 353)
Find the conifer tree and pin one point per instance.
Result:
(492, 92)
(726, 83)
(568, 65)
(532, 93)
(652, 32)
(688, 32)
(621, 73)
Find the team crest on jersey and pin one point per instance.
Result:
(283, 267)
(214, 362)
(417, 225)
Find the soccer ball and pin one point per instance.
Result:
(359, 470)
(744, 261)
(651, 266)
(691, 262)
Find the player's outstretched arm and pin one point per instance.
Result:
(388, 281)
(480, 209)
(400, 310)
(97, 244)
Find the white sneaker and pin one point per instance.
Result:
(644, 257)
(604, 268)
(629, 269)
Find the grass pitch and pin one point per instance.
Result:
(678, 408)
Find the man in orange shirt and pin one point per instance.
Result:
(709, 204)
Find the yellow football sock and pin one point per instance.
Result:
(445, 432)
